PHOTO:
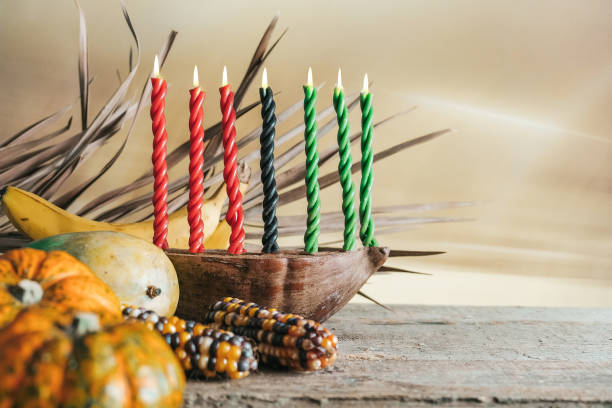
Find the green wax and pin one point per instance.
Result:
(311, 237)
(344, 169)
(366, 232)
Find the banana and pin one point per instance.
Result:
(38, 218)
(219, 239)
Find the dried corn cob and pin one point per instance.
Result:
(286, 340)
(201, 349)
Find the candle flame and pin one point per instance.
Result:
(365, 84)
(196, 79)
(339, 83)
(156, 67)
(264, 79)
(309, 82)
(224, 79)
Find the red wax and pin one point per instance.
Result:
(160, 167)
(235, 214)
(196, 175)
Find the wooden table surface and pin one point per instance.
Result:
(443, 355)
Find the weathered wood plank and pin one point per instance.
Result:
(425, 355)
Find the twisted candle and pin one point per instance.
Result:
(160, 167)
(366, 233)
(344, 167)
(266, 164)
(311, 236)
(196, 165)
(234, 215)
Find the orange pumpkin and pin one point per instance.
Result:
(48, 360)
(52, 279)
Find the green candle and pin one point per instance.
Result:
(344, 167)
(311, 237)
(366, 233)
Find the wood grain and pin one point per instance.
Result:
(459, 356)
(313, 285)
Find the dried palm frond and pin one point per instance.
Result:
(44, 171)
(41, 160)
(371, 299)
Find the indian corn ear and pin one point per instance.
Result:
(282, 339)
(201, 349)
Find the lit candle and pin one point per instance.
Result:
(234, 215)
(311, 236)
(266, 163)
(344, 166)
(196, 165)
(366, 233)
(160, 167)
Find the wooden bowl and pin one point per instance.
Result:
(313, 285)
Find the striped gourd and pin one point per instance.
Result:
(201, 349)
(286, 340)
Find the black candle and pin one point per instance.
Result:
(266, 163)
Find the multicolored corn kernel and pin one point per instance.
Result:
(283, 339)
(201, 349)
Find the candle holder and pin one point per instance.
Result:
(314, 285)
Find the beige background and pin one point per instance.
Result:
(527, 85)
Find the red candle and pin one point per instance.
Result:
(196, 165)
(160, 167)
(235, 215)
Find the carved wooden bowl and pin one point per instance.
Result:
(313, 285)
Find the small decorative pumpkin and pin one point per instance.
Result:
(138, 272)
(51, 359)
(55, 279)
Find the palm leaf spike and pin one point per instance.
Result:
(371, 299)
(296, 173)
(130, 206)
(181, 199)
(72, 158)
(212, 134)
(83, 67)
(18, 141)
(283, 159)
(69, 197)
(333, 177)
(388, 224)
(390, 269)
